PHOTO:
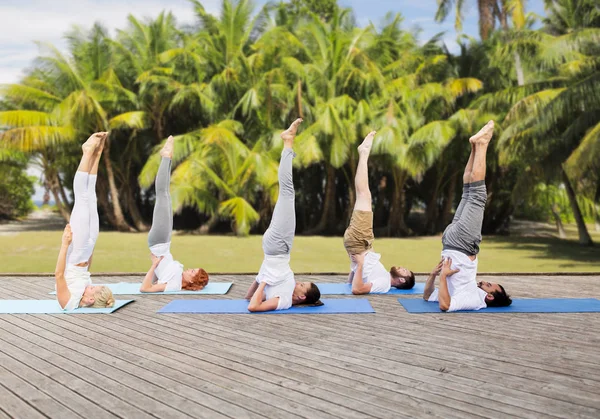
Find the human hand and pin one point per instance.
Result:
(67, 236)
(156, 260)
(358, 258)
(436, 271)
(447, 268)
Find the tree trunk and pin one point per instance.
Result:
(299, 98)
(327, 222)
(584, 235)
(446, 216)
(120, 222)
(138, 221)
(559, 225)
(519, 69)
(432, 211)
(209, 225)
(103, 202)
(397, 224)
(61, 208)
(61, 190)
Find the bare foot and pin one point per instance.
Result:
(365, 147)
(167, 150)
(288, 135)
(484, 135)
(93, 142)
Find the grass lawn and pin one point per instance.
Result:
(128, 252)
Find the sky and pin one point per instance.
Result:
(25, 22)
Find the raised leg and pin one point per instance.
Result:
(464, 234)
(162, 217)
(279, 237)
(361, 180)
(79, 250)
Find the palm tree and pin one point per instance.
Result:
(489, 12)
(72, 96)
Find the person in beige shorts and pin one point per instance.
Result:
(367, 273)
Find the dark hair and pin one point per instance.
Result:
(313, 296)
(409, 280)
(501, 299)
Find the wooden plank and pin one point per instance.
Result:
(146, 399)
(167, 364)
(36, 372)
(33, 397)
(13, 406)
(261, 378)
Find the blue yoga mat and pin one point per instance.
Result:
(51, 307)
(330, 306)
(345, 289)
(129, 288)
(533, 305)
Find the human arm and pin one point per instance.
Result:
(63, 295)
(147, 285)
(444, 295)
(350, 277)
(257, 303)
(358, 286)
(251, 290)
(430, 284)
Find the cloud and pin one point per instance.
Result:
(27, 21)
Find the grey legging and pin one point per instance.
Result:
(278, 238)
(162, 218)
(464, 233)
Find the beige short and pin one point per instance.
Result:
(359, 237)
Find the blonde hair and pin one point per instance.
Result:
(103, 298)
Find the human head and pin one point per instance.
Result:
(402, 278)
(306, 293)
(194, 279)
(496, 296)
(97, 296)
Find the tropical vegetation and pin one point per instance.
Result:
(225, 86)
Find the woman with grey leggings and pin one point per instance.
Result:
(275, 287)
(167, 274)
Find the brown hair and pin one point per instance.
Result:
(313, 296)
(409, 280)
(198, 282)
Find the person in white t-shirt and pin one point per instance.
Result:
(275, 287)
(458, 288)
(74, 287)
(167, 274)
(367, 273)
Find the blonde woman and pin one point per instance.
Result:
(74, 287)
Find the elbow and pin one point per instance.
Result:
(358, 291)
(444, 306)
(59, 275)
(253, 308)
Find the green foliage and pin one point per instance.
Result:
(17, 187)
(227, 86)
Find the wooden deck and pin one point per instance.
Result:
(135, 363)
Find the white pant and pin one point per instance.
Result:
(85, 223)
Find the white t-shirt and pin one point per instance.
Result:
(168, 271)
(276, 272)
(374, 273)
(462, 286)
(78, 278)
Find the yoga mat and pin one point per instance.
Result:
(533, 305)
(129, 288)
(344, 289)
(330, 306)
(51, 307)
